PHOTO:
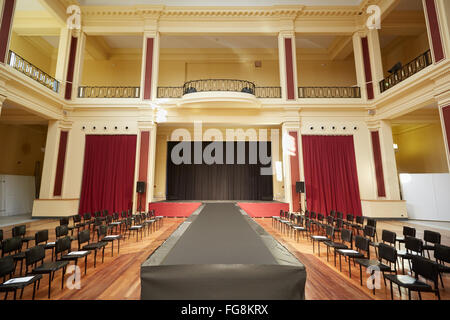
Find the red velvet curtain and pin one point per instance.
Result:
(108, 174)
(331, 179)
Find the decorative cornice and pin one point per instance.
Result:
(162, 12)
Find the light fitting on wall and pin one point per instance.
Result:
(161, 116)
(395, 147)
(83, 128)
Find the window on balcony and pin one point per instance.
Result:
(404, 43)
(219, 63)
(326, 66)
(111, 67)
(34, 43)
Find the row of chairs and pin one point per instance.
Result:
(313, 227)
(61, 248)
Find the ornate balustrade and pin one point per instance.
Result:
(411, 68)
(268, 92)
(108, 92)
(27, 68)
(329, 92)
(170, 92)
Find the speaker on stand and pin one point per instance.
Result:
(140, 188)
(300, 188)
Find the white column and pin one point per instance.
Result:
(443, 101)
(79, 61)
(286, 128)
(282, 63)
(443, 8)
(63, 58)
(376, 61)
(359, 64)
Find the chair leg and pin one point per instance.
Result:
(34, 291)
(49, 284)
(63, 275)
(21, 293)
(420, 295)
(85, 264)
(349, 268)
(15, 294)
(392, 290)
(95, 258)
(409, 294)
(442, 282)
(340, 262)
(360, 274)
(103, 255)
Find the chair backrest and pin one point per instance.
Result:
(347, 236)
(408, 231)
(34, 255)
(369, 231)
(372, 222)
(332, 213)
(360, 220)
(41, 237)
(442, 253)
(124, 214)
(425, 268)
(87, 216)
(62, 245)
(76, 218)
(350, 218)
(339, 223)
(432, 236)
(330, 232)
(339, 215)
(64, 221)
(1, 235)
(102, 231)
(83, 237)
(97, 214)
(137, 220)
(330, 220)
(11, 245)
(413, 244)
(98, 221)
(388, 236)
(105, 213)
(387, 252)
(61, 231)
(7, 266)
(115, 216)
(312, 215)
(109, 219)
(362, 244)
(19, 231)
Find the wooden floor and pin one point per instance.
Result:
(118, 277)
(326, 282)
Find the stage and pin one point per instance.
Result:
(220, 252)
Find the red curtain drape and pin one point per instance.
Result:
(331, 178)
(108, 174)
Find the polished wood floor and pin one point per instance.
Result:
(326, 282)
(118, 278)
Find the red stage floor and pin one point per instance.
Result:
(174, 209)
(262, 209)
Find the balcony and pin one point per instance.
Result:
(329, 92)
(411, 68)
(219, 85)
(108, 92)
(28, 69)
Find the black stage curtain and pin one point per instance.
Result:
(219, 181)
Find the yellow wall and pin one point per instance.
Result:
(111, 72)
(176, 68)
(32, 54)
(314, 73)
(421, 150)
(22, 146)
(405, 51)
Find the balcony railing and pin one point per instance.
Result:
(108, 92)
(268, 92)
(170, 92)
(411, 68)
(329, 92)
(219, 85)
(22, 65)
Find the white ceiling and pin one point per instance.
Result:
(314, 42)
(52, 40)
(29, 5)
(220, 3)
(131, 42)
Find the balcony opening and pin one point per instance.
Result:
(326, 67)
(111, 67)
(247, 64)
(405, 48)
(23, 136)
(34, 42)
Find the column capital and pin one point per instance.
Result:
(64, 124)
(290, 125)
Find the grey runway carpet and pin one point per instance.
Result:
(219, 235)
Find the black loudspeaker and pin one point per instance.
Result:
(140, 187)
(300, 186)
